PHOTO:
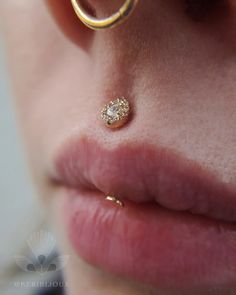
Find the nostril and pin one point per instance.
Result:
(101, 8)
(64, 16)
(199, 9)
(87, 6)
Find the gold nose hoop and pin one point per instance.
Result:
(97, 24)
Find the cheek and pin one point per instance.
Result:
(44, 67)
(38, 53)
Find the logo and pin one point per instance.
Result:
(42, 257)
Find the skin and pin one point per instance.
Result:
(178, 74)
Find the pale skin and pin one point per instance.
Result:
(180, 76)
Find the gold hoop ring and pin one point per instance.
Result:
(111, 21)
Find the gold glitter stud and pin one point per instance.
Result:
(116, 113)
(114, 200)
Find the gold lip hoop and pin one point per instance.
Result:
(104, 23)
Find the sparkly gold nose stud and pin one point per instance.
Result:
(114, 200)
(116, 113)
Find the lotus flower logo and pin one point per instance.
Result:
(43, 256)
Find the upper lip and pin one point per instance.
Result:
(144, 173)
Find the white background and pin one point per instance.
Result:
(19, 211)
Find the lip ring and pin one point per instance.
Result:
(115, 201)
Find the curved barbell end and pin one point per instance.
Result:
(114, 200)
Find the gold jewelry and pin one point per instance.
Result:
(114, 200)
(111, 21)
(116, 113)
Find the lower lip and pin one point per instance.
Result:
(166, 249)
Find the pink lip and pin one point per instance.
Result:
(142, 173)
(160, 243)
